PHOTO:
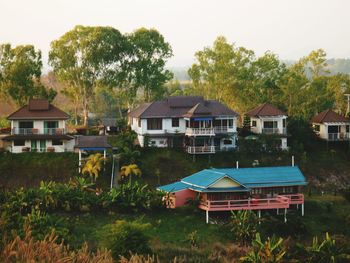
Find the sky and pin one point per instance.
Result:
(289, 28)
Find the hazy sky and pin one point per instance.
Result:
(289, 28)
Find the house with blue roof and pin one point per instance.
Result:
(227, 189)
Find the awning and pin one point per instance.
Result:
(203, 119)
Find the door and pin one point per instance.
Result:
(33, 145)
(42, 145)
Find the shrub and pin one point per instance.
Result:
(243, 225)
(346, 194)
(124, 237)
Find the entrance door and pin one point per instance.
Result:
(33, 145)
(42, 145)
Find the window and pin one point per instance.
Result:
(175, 122)
(26, 125)
(284, 123)
(253, 123)
(57, 142)
(50, 124)
(154, 124)
(187, 124)
(139, 122)
(19, 142)
(230, 123)
(317, 127)
(347, 128)
(270, 124)
(227, 142)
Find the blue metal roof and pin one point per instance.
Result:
(204, 178)
(266, 176)
(174, 187)
(246, 177)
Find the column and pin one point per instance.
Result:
(79, 161)
(302, 209)
(207, 216)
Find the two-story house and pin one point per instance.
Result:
(200, 126)
(267, 119)
(39, 127)
(331, 126)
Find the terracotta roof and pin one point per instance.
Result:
(265, 110)
(329, 116)
(92, 142)
(182, 106)
(38, 109)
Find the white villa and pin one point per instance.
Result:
(331, 126)
(39, 127)
(267, 119)
(200, 126)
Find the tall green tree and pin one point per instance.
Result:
(86, 57)
(146, 68)
(20, 71)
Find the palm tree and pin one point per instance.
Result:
(93, 166)
(129, 171)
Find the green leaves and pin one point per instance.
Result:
(20, 71)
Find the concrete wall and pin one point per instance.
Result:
(67, 146)
(260, 123)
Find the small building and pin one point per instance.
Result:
(199, 126)
(331, 126)
(39, 127)
(108, 126)
(262, 188)
(267, 119)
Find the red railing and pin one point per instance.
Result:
(280, 201)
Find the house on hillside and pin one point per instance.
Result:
(267, 119)
(39, 127)
(262, 188)
(331, 126)
(200, 126)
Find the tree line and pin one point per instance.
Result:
(86, 60)
(101, 69)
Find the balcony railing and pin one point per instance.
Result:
(274, 131)
(279, 201)
(295, 199)
(338, 136)
(200, 149)
(200, 132)
(30, 131)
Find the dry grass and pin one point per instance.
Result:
(28, 250)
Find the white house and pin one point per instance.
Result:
(200, 126)
(331, 126)
(267, 119)
(39, 127)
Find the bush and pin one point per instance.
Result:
(243, 225)
(346, 194)
(124, 237)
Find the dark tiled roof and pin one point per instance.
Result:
(329, 116)
(182, 106)
(92, 142)
(38, 109)
(38, 137)
(265, 110)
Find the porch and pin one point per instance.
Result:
(31, 131)
(344, 136)
(277, 202)
(200, 149)
(208, 126)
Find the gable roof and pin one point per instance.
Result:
(182, 106)
(92, 142)
(247, 178)
(266, 110)
(38, 109)
(329, 116)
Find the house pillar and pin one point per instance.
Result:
(207, 216)
(285, 215)
(79, 161)
(302, 209)
(104, 160)
(259, 215)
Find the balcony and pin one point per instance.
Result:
(280, 201)
(274, 131)
(338, 136)
(31, 131)
(200, 149)
(199, 132)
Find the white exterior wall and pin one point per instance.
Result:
(260, 123)
(67, 146)
(323, 133)
(39, 124)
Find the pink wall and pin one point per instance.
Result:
(182, 197)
